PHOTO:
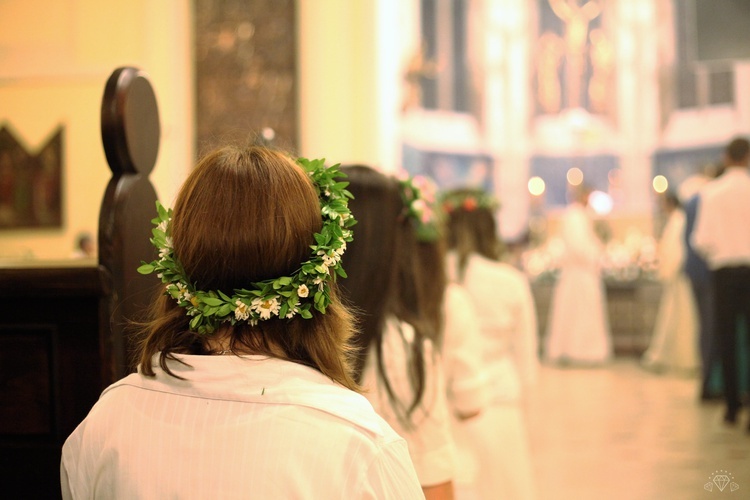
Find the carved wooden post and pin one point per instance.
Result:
(130, 134)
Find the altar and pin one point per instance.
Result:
(631, 304)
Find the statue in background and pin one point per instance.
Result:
(602, 64)
(551, 50)
(418, 67)
(576, 18)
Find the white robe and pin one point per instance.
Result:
(578, 328)
(496, 442)
(466, 377)
(674, 344)
(428, 435)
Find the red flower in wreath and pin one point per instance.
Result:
(470, 204)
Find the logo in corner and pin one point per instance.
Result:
(720, 479)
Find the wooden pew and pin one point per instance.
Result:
(63, 326)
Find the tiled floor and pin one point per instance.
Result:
(620, 432)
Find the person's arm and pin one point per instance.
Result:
(466, 380)
(443, 491)
(526, 348)
(65, 483)
(71, 458)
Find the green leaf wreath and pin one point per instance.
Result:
(283, 297)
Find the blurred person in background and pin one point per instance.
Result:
(449, 309)
(505, 307)
(722, 236)
(697, 271)
(578, 325)
(398, 361)
(674, 341)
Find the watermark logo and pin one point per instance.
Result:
(721, 480)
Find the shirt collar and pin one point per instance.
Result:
(258, 379)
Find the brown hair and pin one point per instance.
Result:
(245, 215)
(432, 279)
(472, 230)
(370, 263)
(375, 286)
(738, 150)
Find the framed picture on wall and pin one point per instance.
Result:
(30, 182)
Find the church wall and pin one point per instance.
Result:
(352, 59)
(55, 58)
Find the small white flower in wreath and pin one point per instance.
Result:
(266, 307)
(329, 261)
(242, 312)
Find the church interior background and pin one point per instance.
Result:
(524, 98)
(630, 98)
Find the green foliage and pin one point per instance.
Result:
(283, 297)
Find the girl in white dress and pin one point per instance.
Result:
(674, 343)
(507, 317)
(447, 309)
(244, 385)
(399, 363)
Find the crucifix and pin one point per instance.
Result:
(576, 18)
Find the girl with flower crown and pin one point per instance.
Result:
(505, 308)
(244, 386)
(399, 363)
(446, 312)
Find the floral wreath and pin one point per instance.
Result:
(468, 201)
(419, 196)
(283, 297)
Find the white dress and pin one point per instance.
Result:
(674, 344)
(497, 438)
(466, 377)
(236, 427)
(578, 327)
(428, 435)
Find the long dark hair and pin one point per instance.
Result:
(245, 215)
(374, 266)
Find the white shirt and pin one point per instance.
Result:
(722, 225)
(237, 427)
(429, 436)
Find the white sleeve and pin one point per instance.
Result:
(71, 458)
(65, 482)
(391, 476)
(526, 348)
(466, 379)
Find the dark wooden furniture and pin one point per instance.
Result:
(51, 369)
(63, 325)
